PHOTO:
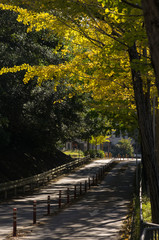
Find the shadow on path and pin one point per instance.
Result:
(24, 205)
(98, 216)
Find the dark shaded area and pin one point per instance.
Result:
(30, 124)
(16, 164)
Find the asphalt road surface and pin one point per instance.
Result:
(24, 205)
(99, 215)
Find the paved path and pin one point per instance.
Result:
(24, 204)
(98, 216)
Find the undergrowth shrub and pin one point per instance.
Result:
(95, 153)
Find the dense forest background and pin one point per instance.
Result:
(33, 121)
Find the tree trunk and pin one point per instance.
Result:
(96, 146)
(146, 130)
(157, 135)
(88, 145)
(151, 17)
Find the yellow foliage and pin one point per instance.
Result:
(99, 139)
(37, 21)
(98, 64)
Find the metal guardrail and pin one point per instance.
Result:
(28, 184)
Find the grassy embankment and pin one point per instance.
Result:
(74, 154)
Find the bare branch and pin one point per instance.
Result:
(132, 4)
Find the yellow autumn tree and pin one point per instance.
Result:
(95, 64)
(108, 56)
(97, 140)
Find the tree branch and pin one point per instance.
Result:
(132, 4)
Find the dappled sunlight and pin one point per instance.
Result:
(99, 215)
(24, 205)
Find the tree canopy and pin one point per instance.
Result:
(31, 113)
(97, 35)
(105, 53)
(96, 41)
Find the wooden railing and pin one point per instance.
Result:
(149, 231)
(60, 198)
(12, 188)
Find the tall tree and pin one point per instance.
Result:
(109, 41)
(151, 19)
(30, 113)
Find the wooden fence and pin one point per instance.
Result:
(12, 188)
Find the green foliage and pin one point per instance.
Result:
(106, 19)
(110, 49)
(91, 152)
(4, 138)
(136, 221)
(95, 153)
(99, 139)
(28, 115)
(146, 208)
(94, 122)
(146, 211)
(75, 154)
(123, 147)
(18, 46)
(100, 154)
(39, 116)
